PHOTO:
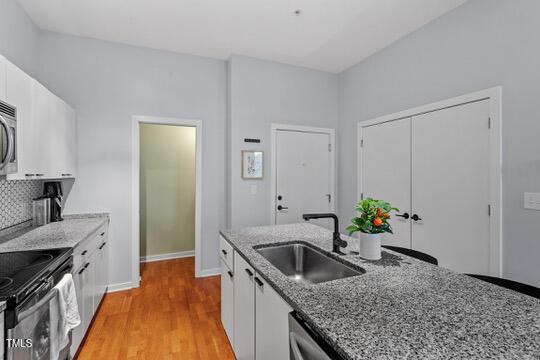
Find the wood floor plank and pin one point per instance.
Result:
(172, 315)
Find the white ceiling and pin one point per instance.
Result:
(329, 35)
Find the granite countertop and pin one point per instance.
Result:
(67, 233)
(2, 306)
(401, 307)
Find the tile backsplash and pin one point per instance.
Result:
(16, 200)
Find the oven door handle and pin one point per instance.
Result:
(10, 143)
(26, 313)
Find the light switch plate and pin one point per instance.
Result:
(531, 201)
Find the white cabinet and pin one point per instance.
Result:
(2, 78)
(227, 300)
(244, 309)
(102, 270)
(91, 274)
(78, 332)
(19, 93)
(272, 323)
(55, 125)
(46, 127)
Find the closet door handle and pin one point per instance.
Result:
(230, 274)
(259, 282)
(249, 272)
(416, 217)
(404, 215)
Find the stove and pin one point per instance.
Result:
(21, 272)
(27, 281)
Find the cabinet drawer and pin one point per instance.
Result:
(84, 250)
(226, 252)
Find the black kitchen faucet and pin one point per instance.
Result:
(337, 242)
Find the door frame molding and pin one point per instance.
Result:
(275, 127)
(135, 158)
(494, 96)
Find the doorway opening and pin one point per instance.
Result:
(166, 191)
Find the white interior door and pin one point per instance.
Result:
(386, 173)
(450, 186)
(303, 176)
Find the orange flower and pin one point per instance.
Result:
(377, 221)
(386, 215)
(379, 212)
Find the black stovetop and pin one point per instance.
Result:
(20, 271)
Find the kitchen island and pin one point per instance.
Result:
(401, 307)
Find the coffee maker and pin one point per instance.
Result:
(53, 191)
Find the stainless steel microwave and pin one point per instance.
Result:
(8, 139)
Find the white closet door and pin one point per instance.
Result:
(303, 172)
(386, 173)
(450, 186)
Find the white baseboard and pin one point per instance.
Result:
(119, 287)
(169, 256)
(210, 272)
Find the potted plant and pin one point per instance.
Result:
(372, 222)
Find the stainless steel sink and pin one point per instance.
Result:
(303, 263)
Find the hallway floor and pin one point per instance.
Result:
(172, 315)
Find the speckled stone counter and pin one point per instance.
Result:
(401, 308)
(2, 306)
(67, 233)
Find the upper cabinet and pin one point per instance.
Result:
(2, 78)
(45, 128)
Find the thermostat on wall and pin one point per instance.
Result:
(248, 140)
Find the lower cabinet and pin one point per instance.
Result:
(90, 276)
(227, 300)
(271, 323)
(244, 309)
(255, 317)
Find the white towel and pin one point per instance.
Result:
(66, 312)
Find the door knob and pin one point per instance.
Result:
(404, 215)
(282, 207)
(416, 217)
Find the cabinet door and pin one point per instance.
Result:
(43, 112)
(227, 301)
(386, 173)
(244, 309)
(88, 290)
(2, 78)
(451, 186)
(62, 135)
(19, 91)
(272, 323)
(102, 271)
(78, 332)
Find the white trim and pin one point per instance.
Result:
(494, 95)
(168, 256)
(120, 287)
(135, 256)
(275, 127)
(210, 272)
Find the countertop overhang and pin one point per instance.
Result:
(401, 307)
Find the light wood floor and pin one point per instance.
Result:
(171, 316)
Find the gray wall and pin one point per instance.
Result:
(261, 93)
(108, 83)
(481, 44)
(19, 37)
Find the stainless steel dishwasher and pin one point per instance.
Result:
(306, 344)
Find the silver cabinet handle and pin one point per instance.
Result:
(10, 143)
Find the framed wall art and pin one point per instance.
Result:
(252, 164)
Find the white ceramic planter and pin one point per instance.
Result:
(370, 246)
